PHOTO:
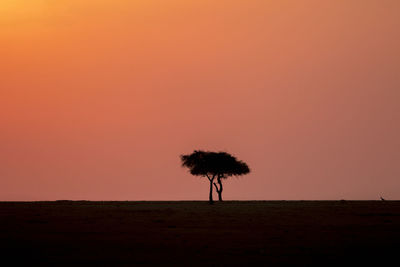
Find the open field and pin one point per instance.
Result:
(196, 233)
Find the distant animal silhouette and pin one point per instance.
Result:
(214, 165)
(382, 199)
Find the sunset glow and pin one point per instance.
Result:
(21, 9)
(99, 98)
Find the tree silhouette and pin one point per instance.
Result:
(215, 166)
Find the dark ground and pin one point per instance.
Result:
(244, 233)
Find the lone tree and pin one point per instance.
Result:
(216, 166)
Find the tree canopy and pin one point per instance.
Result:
(205, 163)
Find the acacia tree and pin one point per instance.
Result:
(216, 166)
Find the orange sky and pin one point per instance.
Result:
(99, 98)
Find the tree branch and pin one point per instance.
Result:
(216, 187)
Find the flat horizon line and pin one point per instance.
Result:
(166, 201)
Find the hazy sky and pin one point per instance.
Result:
(99, 98)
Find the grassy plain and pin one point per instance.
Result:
(240, 233)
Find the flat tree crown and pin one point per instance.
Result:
(221, 164)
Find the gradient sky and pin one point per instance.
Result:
(99, 98)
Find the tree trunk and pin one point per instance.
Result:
(220, 190)
(211, 193)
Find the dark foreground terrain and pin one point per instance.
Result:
(271, 233)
